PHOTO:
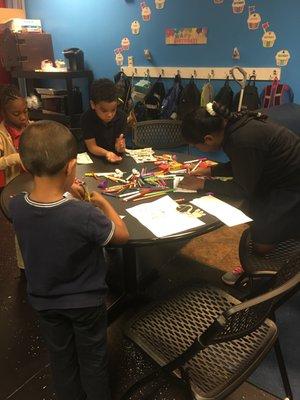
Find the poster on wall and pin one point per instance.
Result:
(186, 36)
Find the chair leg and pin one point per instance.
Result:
(283, 371)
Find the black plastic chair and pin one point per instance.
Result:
(159, 134)
(208, 338)
(255, 265)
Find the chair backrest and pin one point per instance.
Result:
(158, 134)
(245, 318)
(269, 262)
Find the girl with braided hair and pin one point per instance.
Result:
(264, 161)
(14, 115)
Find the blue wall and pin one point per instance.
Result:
(97, 27)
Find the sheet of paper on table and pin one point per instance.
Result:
(162, 218)
(226, 213)
(142, 155)
(84, 158)
(177, 179)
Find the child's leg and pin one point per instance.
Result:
(90, 330)
(58, 332)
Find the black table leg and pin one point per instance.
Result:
(131, 284)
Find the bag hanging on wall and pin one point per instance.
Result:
(189, 99)
(276, 94)
(170, 102)
(124, 86)
(154, 98)
(207, 94)
(251, 100)
(225, 95)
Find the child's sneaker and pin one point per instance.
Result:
(230, 278)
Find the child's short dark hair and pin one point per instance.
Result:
(46, 147)
(103, 90)
(8, 93)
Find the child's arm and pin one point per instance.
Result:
(121, 234)
(100, 151)
(120, 144)
(9, 160)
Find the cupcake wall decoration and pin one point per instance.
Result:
(135, 27)
(254, 18)
(282, 58)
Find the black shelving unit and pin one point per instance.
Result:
(28, 80)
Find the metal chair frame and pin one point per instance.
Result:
(241, 321)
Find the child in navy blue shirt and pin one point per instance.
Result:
(104, 124)
(62, 241)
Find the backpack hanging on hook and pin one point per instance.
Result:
(124, 87)
(189, 99)
(154, 98)
(251, 100)
(225, 95)
(170, 102)
(276, 94)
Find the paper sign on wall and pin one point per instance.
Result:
(159, 4)
(282, 58)
(254, 18)
(186, 36)
(135, 27)
(146, 11)
(238, 6)
(269, 37)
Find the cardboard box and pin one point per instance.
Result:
(22, 25)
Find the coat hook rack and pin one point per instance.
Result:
(221, 73)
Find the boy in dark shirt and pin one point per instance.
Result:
(265, 166)
(104, 125)
(61, 240)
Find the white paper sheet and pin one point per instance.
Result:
(162, 218)
(226, 213)
(141, 155)
(84, 158)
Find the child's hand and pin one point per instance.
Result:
(191, 183)
(77, 190)
(112, 157)
(97, 199)
(120, 144)
(12, 159)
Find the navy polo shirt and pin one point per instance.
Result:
(61, 244)
(105, 134)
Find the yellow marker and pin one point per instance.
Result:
(87, 196)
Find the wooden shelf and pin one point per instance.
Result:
(52, 75)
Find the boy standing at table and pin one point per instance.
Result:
(61, 240)
(104, 125)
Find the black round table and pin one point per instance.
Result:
(139, 235)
